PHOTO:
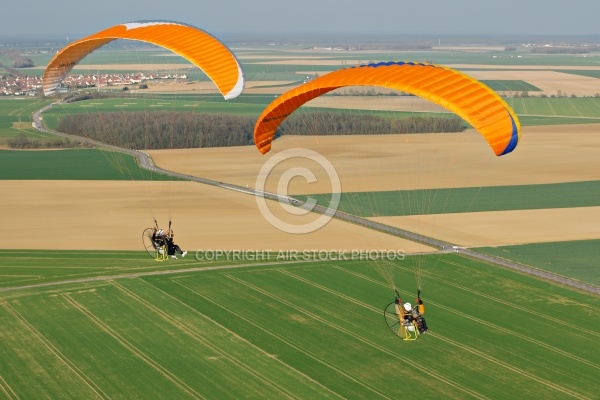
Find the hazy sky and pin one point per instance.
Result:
(82, 17)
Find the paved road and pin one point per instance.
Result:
(145, 161)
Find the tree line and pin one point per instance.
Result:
(160, 129)
(341, 123)
(23, 142)
(177, 130)
(560, 50)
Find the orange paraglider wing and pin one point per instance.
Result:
(476, 103)
(193, 44)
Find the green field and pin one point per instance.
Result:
(73, 164)
(576, 259)
(18, 111)
(300, 330)
(457, 200)
(557, 107)
(511, 86)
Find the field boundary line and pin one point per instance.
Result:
(174, 280)
(523, 337)
(131, 348)
(190, 332)
(550, 107)
(508, 304)
(511, 368)
(574, 107)
(359, 338)
(7, 390)
(56, 352)
(326, 289)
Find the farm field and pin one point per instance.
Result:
(15, 119)
(575, 259)
(87, 314)
(129, 207)
(250, 331)
(72, 164)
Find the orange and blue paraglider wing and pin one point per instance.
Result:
(473, 101)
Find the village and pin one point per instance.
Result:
(29, 85)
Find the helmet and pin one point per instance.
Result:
(407, 306)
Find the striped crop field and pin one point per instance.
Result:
(125, 327)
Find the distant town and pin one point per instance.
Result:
(32, 85)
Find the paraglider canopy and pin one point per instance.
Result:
(477, 104)
(193, 44)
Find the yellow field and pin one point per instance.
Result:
(111, 215)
